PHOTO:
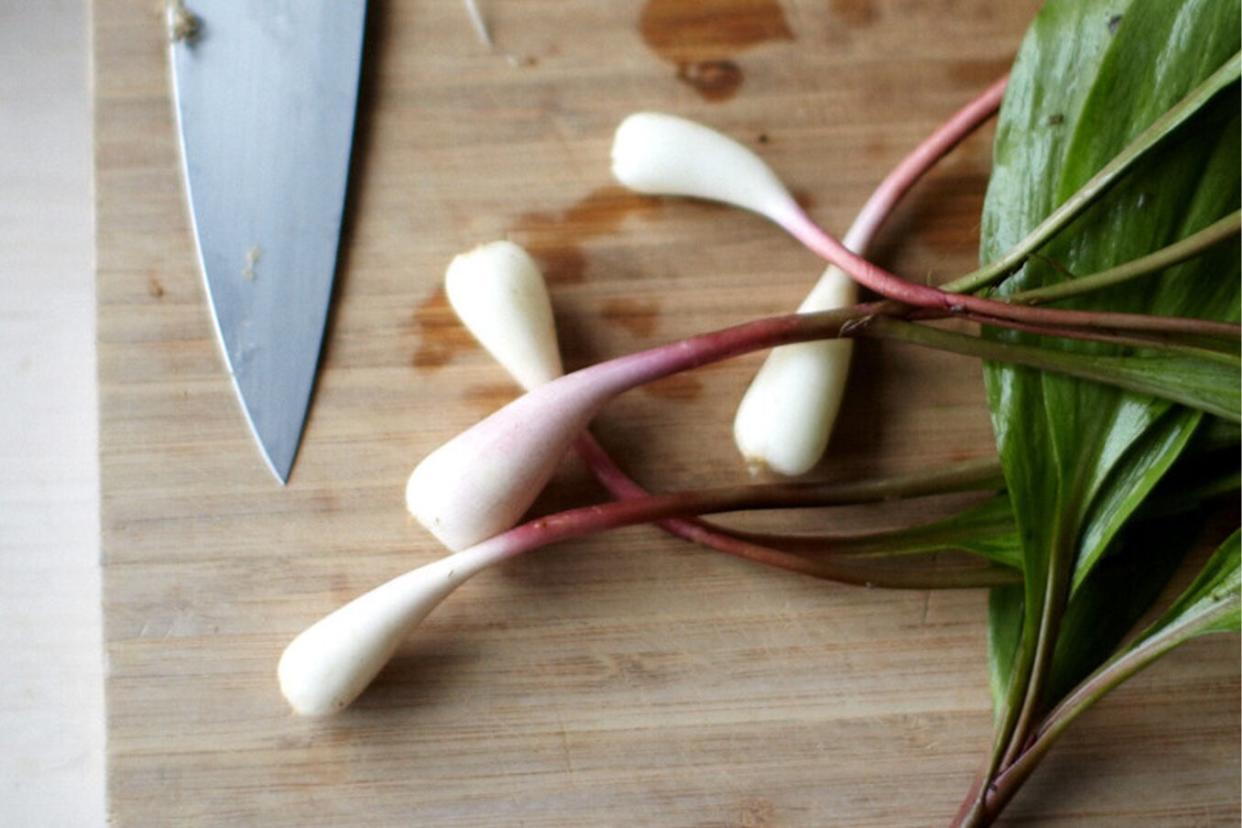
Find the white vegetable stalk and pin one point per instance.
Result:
(500, 296)
(665, 155)
(331, 663)
(481, 482)
(786, 416)
(502, 299)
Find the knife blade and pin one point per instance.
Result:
(265, 94)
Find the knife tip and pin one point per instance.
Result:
(278, 452)
(279, 470)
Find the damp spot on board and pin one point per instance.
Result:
(678, 387)
(756, 812)
(805, 200)
(555, 238)
(700, 38)
(715, 80)
(853, 13)
(637, 316)
(441, 335)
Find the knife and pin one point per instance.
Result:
(265, 94)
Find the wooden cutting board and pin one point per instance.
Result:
(627, 679)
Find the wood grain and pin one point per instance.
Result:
(620, 680)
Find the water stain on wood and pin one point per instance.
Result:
(756, 812)
(678, 387)
(638, 316)
(700, 37)
(554, 239)
(689, 30)
(715, 80)
(441, 335)
(804, 198)
(854, 13)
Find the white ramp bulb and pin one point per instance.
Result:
(500, 296)
(662, 154)
(785, 419)
(332, 661)
(483, 480)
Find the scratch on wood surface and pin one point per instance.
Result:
(566, 750)
(151, 630)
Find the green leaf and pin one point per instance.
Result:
(1115, 594)
(1080, 456)
(1006, 607)
(1216, 433)
(985, 529)
(1213, 603)
(1208, 381)
(1120, 584)
(1149, 456)
(1105, 607)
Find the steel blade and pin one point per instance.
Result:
(265, 94)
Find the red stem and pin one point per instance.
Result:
(627, 372)
(872, 216)
(891, 286)
(672, 508)
(1135, 340)
(925, 156)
